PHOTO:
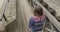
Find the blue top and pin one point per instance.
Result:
(36, 25)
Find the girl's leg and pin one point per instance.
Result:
(33, 30)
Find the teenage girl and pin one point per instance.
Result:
(36, 22)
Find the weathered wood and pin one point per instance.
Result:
(51, 10)
(3, 4)
(45, 5)
(23, 15)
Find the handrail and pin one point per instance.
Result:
(49, 30)
(3, 9)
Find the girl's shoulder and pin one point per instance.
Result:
(34, 18)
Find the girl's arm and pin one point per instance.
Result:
(31, 23)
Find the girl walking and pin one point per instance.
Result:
(36, 22)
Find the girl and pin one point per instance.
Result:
(37, 20)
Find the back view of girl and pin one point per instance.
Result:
(36, 22)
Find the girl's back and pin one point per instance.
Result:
(37, 21)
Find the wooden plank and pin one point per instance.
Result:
(49, 30)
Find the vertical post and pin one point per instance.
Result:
(18, 17)
(23, 13)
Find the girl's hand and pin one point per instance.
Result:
(29, 30)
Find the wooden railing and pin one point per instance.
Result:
(2, 11)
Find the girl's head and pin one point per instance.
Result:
(38, 11)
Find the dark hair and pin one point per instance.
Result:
(38, 10)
